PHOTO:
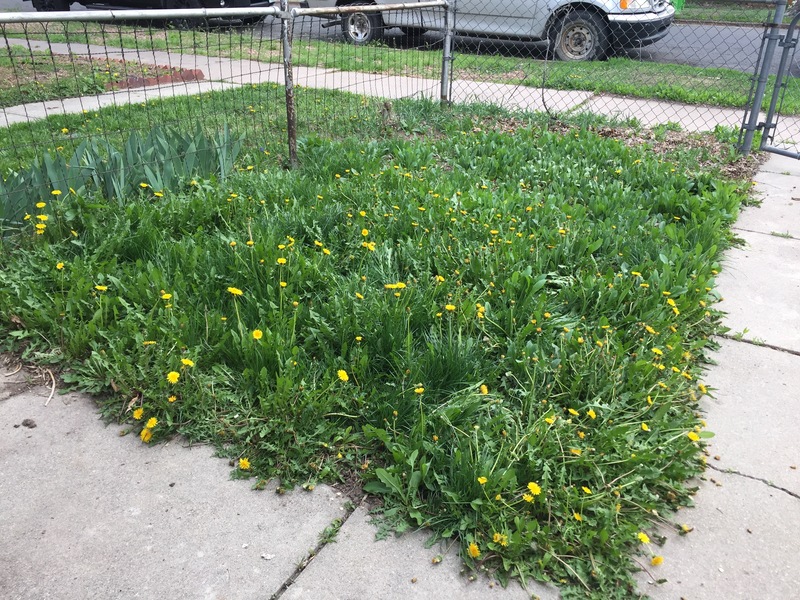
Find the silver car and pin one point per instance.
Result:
(585, 30)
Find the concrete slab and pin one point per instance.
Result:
(756, 389)
(371, 84)
(745, 545)
(399, 568)
(779, 212)
(781, 164)
(517, 96)
(15, 381)
(760, 284)
(89, 514)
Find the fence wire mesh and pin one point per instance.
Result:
(77, 78)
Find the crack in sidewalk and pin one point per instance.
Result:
(327, 536)
(760, 344)
(766, 482)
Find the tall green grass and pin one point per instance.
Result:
(501, 328)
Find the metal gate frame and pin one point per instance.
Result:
(771, 40)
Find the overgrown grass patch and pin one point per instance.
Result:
(502, 329)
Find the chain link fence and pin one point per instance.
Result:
(265, 75)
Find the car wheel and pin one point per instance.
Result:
(581, 35)
(52, 5)
(362, 28)
(183, 22)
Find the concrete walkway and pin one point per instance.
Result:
(87, 513)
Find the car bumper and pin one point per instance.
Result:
(634, 31)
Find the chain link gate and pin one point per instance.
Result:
(786, 38)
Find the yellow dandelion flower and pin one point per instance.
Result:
(257, 334)
(645, 427)
(148, 343)
(591, 413)
(484, 389)
(500, 538)
(482, 480)
(527, 497)
(576, 451)
(359, 296)
(365, 232)
(187, 362)
(56, 192)
(473, 550)
(449, 307)
(41, 204)
(281, 261)
(656, 560)
(643, 537)
(172, 399)
(173, 377)
(60, 266)
(586, 490)
(573, 412)
(101, 288)
(419, 390)
(146, 435)
(577, 516)
(550, 420)
(166, 296)
(326, 252)
(244, 464)
(151, 423)
(137, 414)
(534, 488)
(693, 436)
(342, 375)
(235, 291)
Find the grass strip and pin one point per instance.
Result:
(501, 328)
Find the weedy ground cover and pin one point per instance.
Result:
(500, 327)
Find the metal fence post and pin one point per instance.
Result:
(287, 27)
(447, 52)
(763, 77)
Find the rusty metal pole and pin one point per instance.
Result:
(287, 27)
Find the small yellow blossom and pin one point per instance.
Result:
(151, 423)
(573, 412)
(449, 307)
(576, 451)
(527, 497)
(41, 204)
(235, 291)
(482, 480)
(500, 538)
(484, 389)
(172, 399)
(534, 488)
(281, 261)
(342, 375)
(643, 537)
(645, 427)
(146, 435)
(577, 516)
(137, 414)
(693, 436)
(656, 560)
(56, 192)
(60, 266)
(586, 490)
(419, 390)
(187, 362)
(173, 377)
(473, 550)
(591, 413)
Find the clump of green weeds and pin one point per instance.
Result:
(503, 331)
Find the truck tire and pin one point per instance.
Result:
(362, 28)
(580, 35)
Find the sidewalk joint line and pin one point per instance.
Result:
(312, 554)
(770, 234)
(734, 338)
(766, 482)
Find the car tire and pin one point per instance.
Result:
(362, 28)
(52, 5)
(580, 35)
(183, 23)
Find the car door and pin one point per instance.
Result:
(504, 18)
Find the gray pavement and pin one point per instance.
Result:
(87, 513)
